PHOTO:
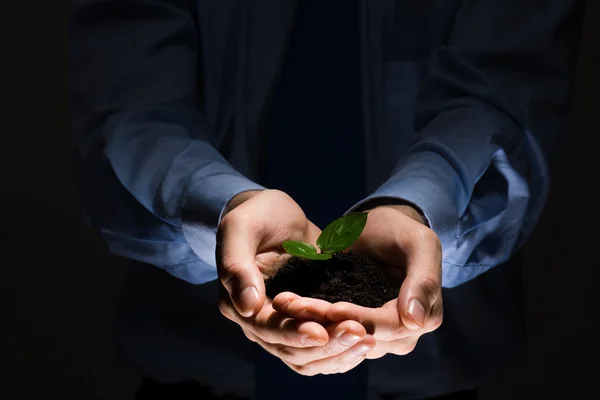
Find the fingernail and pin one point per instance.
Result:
(360, 350)
(311, 341)
(417, 311)
(285, 305)
(248, 297)
(348, 339)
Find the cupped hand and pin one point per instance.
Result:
(249, 249)
(411, 252)
(342, 346)
(249, 240)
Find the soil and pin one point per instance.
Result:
(349, 277)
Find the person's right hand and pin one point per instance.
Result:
(249, 249)
(249, 238)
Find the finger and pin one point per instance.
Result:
(343, 336)
(437, 315)
(383, 323)
(281, 301)
(251, 336)
(422, 287)
(400, 347)
(274, 327)
(301, 308)
(407, 244)
(312, 233)
(238, 272)
(340, 363)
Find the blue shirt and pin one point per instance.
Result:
(464, 106)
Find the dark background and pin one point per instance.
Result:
(58, 287)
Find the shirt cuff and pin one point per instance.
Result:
(427, 181)
(202, 210)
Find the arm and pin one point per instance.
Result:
(144, 156)
(490, 118)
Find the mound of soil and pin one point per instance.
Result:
(349, 277)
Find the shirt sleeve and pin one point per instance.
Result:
(489, 120)
(143, 149)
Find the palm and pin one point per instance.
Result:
(271, 256)
(376, 242)
(269, 261)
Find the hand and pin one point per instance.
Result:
(248, 250)
(249, 240)
(397, 236)
(347, 346)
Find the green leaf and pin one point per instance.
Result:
(304, 250)
(342, 233)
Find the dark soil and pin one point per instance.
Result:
(347, 277)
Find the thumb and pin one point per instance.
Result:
(312, 233)
(238, 272)
(421, 289)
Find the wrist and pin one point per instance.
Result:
(239, 199)
(405, 207)
(409, 211)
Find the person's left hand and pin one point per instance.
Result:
(398, 237)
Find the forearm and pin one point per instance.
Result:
(480, 222)
(489, 121)
(144, 149)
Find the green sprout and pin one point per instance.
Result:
(337, 236)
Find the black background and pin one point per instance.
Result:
(58, 287)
